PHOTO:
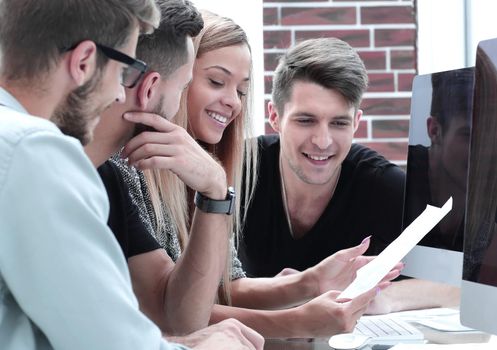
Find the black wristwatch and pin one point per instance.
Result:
(216, 206)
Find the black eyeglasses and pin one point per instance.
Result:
(134, 70)
(131, 74)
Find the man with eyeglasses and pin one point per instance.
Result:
(63, 281)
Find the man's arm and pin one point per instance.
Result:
(57, 256)
(191, 286)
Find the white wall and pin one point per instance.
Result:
(441, 35)
(248, 14)
(481, 25)
(449, 31)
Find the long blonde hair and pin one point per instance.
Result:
(237, 150)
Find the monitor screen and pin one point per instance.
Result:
(479, 285)
(437, 167)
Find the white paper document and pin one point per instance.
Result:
(372, 273)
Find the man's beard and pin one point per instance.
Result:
(75, 115)
(157, 109)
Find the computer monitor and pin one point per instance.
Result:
(479, 285)
(437, 165)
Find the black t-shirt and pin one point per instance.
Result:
(124, 220)
(368, 200)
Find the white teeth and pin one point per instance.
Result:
(317, 157)
(218, 117)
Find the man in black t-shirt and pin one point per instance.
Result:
(367, 201)
(316, 192)
(160, 285)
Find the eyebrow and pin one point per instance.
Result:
(312, 115)
(224, 70)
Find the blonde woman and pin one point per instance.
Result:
(214, 110)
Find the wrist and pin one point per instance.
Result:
(310, 279)
(299, 321)
(218, 186)
(217, 191)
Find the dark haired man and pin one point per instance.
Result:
(327, 194)
(177, 297)
(63, 281)
(326, 191)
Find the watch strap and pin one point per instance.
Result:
(216, 206)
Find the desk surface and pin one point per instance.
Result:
(322, 344)
(432, 336)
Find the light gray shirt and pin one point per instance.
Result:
(64, 282)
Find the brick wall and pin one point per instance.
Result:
(383, 33)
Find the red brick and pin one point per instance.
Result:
(355, 38)
(270, 16)
(268, 84)
(386, 106)
(403, 59)
(280, 39)
(394, 37)
(393, 151)
(405, 81)
(381, 82)
(318, 15)
(362, 130)
(390, 128)
(271, 61)
(374, 59)
(387, 14)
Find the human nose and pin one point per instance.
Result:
(322, 137)
(121, 94)
(232, 100)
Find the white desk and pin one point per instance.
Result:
(432, 336)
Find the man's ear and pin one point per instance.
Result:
(274, 118)
(434, 130)
(147, 89)
(83, 62)
(357, 119)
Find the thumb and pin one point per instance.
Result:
(153, 120)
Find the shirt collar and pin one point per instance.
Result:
(10, 101)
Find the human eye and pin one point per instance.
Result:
(216, 83)
(241, 93)
(304, 121)
(340, 123)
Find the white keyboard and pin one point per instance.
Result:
(387, 330)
